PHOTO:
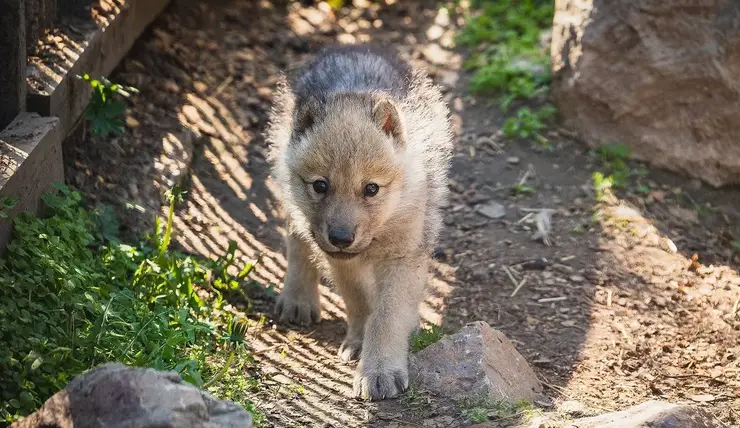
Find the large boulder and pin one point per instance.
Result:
(660, 76)
(116, 396)
(476, 361)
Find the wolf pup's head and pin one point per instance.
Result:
(345, 160)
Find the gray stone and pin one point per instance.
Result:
(492, 210)
(116, 396)
(477, 360)
(661, 77)
(651, 414)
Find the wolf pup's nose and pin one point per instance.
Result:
(341, 237)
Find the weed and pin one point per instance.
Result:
(522, 189)
(614, 158)
(602, 185)
(6, 204)
(104, 112)
(425, 337)
(414, 397)
(480, 408)
(528, 123)
(71, 297)
(579, 228)
(510, 61)
(476, 415)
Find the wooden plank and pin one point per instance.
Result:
(13, 54)
(30, 164)
(40, 16)
(66, 96)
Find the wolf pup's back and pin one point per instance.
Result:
(360, 148)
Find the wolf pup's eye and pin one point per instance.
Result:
(371, 189)
(320, 186)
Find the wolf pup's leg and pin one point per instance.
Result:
(383, 369)
(299, 301)
(357, 311)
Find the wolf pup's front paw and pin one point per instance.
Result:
(350, 350)
(380, 384)
(297, 310)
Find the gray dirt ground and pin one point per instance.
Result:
(631, 318)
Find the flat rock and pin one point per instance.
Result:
(661, 77)
(492, 210)
(477, 360)
(651, 414)
(116, 396)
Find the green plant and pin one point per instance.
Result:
(476, 415)
(509, 60)
(480, 408)
(71, 297)
(104, 112)
(614, 158)
(6, 204)
(528, 123)
(425, 337)
(522, 189)
(602, 184)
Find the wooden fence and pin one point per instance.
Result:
(22, 24)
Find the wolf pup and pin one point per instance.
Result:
(360, 145)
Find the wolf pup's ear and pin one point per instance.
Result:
(386, 116)
(308, 111)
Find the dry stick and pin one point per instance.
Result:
(536, 210)
(511, 277)
(519, 287)
(224, 84)
(268, 349)
(524, 178)
(552, 299)
(525, 218)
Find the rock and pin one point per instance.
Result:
(660, 77)
(477, 360)
(492, 210)
(116, 396)
(651, 414)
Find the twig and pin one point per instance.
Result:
(224, 84)
(519, 287)
(524, 178)
(536, 210)
(622, 330)
(525, 218)
(511, 277)
(268, 349)
(552, 299)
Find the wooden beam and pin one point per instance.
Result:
(13, 54)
